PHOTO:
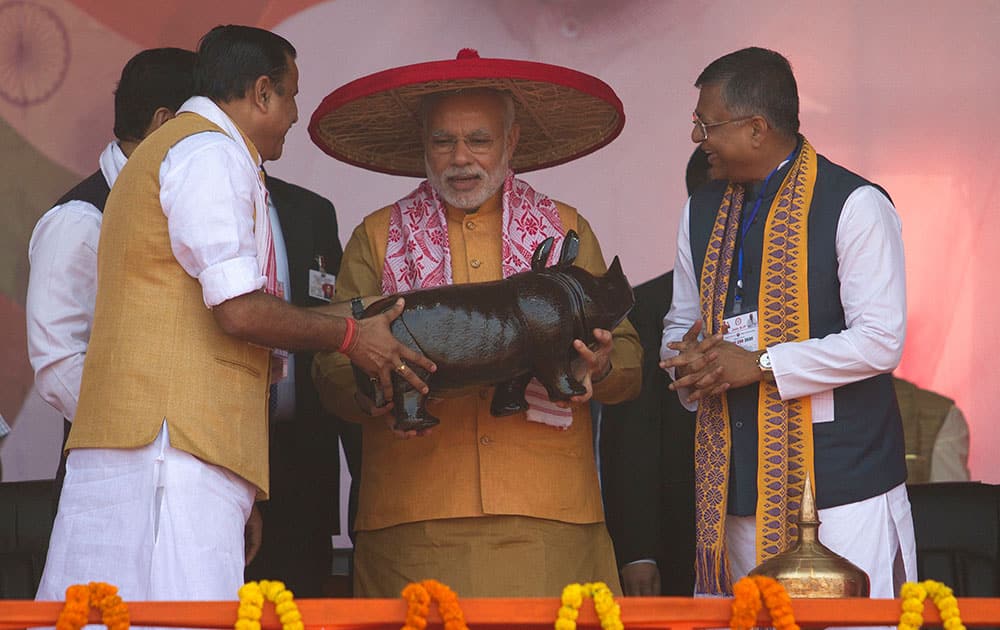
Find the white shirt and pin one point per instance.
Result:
(283, 391)
(871, 269)
(209, 185)
(209, 188)
(62, 285)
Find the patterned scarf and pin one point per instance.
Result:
(418, 254)
(784, 449)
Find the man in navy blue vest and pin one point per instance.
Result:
(62, 283)
(788, 316)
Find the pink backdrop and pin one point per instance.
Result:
(903, 91)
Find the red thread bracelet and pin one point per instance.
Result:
(349, 334)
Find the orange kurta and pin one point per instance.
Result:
(473, 464)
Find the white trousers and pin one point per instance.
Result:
(157, 522)
(875, 534)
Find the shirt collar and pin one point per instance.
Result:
(206, 108)
(112, 161)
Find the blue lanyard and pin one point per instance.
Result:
(745, 227)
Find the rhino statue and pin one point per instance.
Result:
(503, 332)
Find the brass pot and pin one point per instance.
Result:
(809, 569)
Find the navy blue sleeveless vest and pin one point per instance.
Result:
(861, 453)
(94, 190)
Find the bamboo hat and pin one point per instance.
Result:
(374, 122)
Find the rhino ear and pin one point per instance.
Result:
(615, 269)
(541, 255)
(570, 249)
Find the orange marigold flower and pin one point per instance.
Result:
(100, 595)
(418, 596)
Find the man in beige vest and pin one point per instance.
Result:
(492, 506)
(168, 450)
(936, 434)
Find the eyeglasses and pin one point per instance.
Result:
(476, 143)
(704, 125)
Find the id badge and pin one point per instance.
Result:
(321, 285)
(742, 330)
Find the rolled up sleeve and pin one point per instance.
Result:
(207, 191)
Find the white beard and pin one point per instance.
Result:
(490, 183)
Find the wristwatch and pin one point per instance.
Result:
(764, 363)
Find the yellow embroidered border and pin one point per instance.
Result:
(784, 428)
(712, 438)
(785, 449)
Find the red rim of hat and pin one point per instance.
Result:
(374, 122)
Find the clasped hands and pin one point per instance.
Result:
(711, 365)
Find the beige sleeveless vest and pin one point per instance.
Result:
(156, 352)
(923, 414)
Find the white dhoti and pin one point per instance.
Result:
(157, 522)
(875, 534)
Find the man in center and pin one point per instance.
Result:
(493, 507)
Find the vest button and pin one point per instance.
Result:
(470, 225)
(475, 262)
(485, 440)
(739, 424)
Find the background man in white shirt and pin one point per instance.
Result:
(63, 249)
(788, 316)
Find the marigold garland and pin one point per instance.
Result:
(100, 595)
(418, 596)
(252, 596)
(913, 595)
(754, 591)
(608, 610)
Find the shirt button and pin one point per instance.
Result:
(470, 225)
(739, 424)
(475, 262)
(485, 440)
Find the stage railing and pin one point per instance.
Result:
(675, 613)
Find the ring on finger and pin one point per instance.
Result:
(401, 368)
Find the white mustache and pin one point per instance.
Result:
(468, 171)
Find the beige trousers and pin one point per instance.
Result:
(488, 556)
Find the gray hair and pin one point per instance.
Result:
(756, 81)
(429, 101)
